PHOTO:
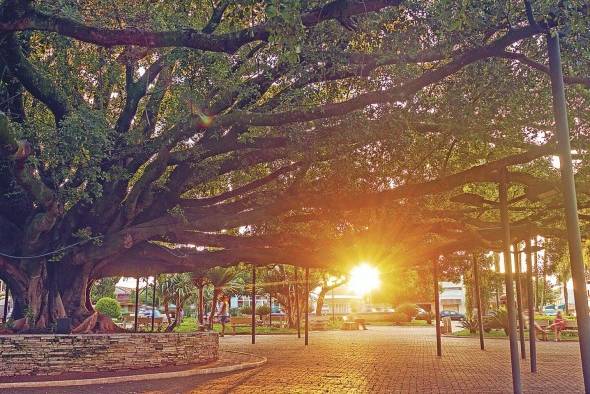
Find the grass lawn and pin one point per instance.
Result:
(500, 334)
(413, 323)
(189, 324)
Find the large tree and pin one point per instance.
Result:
(144, 137)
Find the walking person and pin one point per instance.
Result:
(223, 314)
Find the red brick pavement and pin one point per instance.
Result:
(380, 360)
(394, 360)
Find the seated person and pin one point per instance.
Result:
(557, 326)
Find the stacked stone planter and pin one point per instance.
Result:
(56, 354)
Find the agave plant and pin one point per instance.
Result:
(471, 324)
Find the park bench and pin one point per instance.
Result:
(144, 322)
(350, 325)
(240, 321)
(571, 326)
(277, 321)
(318, 324)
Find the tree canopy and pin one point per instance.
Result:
(140, 137)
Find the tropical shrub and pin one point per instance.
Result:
(499, 320)
(234, 311)
(246, 310)
(262, 310)
(400, 317)
(108, 306)
(411, 310)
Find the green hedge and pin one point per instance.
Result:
(108, 306)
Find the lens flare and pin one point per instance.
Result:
(363, 279)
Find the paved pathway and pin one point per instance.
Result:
(382, 359)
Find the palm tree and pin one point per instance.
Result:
(177, 288)
(200, 281)
(224, 280)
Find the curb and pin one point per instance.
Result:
(136, 378)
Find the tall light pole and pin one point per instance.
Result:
(436, 306)
(570, 203)
(253, 304)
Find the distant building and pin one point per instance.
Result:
(123, 296)
(342, 301)
(452, 297)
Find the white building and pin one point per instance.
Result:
(452, 297)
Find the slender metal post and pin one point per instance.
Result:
(518, 273)
(531, 305)
(270, 314)
(570, 203)
(498, 285)
(478, 301)
(201, 304)
(306, 306)
(514, 361)
(5, 303)
(136, 303)
(297, 309)
(538, 297)
(153, 303)
(333, 311)
(253, 304)
(436, 307)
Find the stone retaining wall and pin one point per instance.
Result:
(55, 354)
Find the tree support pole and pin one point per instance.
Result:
(570, 203)
(436, 307)
(514, 361)
(306, 306)
(136, 304)
(201, 304)
(270, 314)
(518, 268)
(297, 309)
(153, 303)
(478, 301)
(531, 305)
(253, 304)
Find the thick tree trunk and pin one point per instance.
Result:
(216, 292)
(320, 303)
(45, 291)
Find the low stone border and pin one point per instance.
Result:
(54, 354)
(256, 361)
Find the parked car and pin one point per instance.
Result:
(148, 313)
(454, 315)
(550, 310)
(423, 315)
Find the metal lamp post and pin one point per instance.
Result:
(570, 203)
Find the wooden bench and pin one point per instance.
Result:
(349, 325)
(279, 321)
(239, 321)
(571, 326)
(318, 324)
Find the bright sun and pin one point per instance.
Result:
(363, 279)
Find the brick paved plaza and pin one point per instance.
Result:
(383, 359)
